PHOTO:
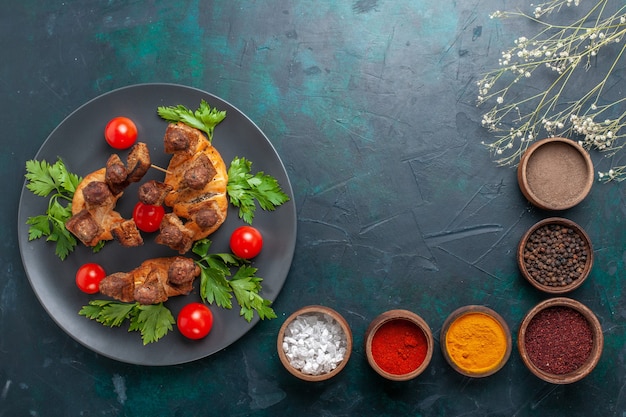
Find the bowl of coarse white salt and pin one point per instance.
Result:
(314, 343)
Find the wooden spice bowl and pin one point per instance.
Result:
(497, 328)
(308, 311)
(555, 173)
(593, 357)
(527, 261)
(401, 317)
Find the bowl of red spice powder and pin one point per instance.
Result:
(555, 255)
(475, 341)
(555, 173)
(560, 340)
(398, 345)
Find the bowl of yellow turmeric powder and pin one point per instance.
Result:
(475, 341)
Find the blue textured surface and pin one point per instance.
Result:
(370, 104)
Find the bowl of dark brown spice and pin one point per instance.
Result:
(560, 340)
(555, 255)
(555, 173)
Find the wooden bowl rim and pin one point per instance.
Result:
(594, 356)
(523, 179)
(470, 309)
(314, 309)
(392, 315)
(547, 288)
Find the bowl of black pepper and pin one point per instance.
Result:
(555, 255)
(560, 340)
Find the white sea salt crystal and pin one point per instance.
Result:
(314, 343)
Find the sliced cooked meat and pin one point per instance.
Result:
(120, 285)
(116, 176)
(153, 192)
(151, 282)
(84, 227)
(198, 177)
(97, 194)
(177, 138)
(182, 271)
(138, 162)
(174, 234)
(206, 217)
(151, 291)
(199, 173)
(127, 234)
(98, 219)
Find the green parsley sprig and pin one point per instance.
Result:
(218, 286)
(152, 321)
(244, 188)
(204, 118)
(44, 179)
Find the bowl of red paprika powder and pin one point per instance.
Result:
(560, 340)
(398, 345)
(475, 341)
(555, 255)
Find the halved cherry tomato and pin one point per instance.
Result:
(88, 277)
(120, 133)
(147, 217)
(246, 242)
(195, 320)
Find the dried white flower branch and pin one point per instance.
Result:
(563, 51)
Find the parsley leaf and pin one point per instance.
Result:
(152, 321)
(44, 179)
(204, 118)
(246, 287)
(244, 189)
(216, 287)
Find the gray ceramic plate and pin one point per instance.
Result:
(79, 141)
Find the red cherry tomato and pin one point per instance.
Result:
(246, 242)
(195, 320)
(88, 277)
(120, 133)
(147, 217)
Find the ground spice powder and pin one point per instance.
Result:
(558, 340)
(476, 342)
(399, 347)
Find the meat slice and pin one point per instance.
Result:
(181, 139)
(205, 216)
(127, 234)
(84, 227)
(154, 281)
(154, 192)
(120, 285)
(182, 271)
(198, 177)
(138, 162)
(116, 176)
(97, 194)
(199, 173)
(151, 291)
(174, 234)
(93, 214)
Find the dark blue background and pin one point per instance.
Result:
(371, 106)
